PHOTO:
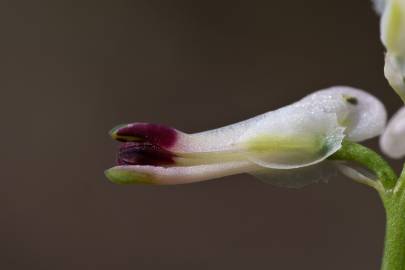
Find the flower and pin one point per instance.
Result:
(272, 145)
(393, 38)
(392, 141)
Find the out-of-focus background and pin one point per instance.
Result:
(71, 70)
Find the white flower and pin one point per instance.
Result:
(293, 137)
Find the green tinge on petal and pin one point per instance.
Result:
(123, 176)
(306, 149)
(293, 137)
(201, 158)
(393, 27)
(268, 144)
(393, 37)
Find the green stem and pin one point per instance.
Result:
(394, 248)
(392, 194)
(366, 157)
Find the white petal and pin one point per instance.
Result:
(295, 178)
(220, 139)
(363, 115)
(392, 141)
(135, 174)
(297, 135)
(363, 120)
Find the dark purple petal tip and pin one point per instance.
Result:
(156, 134)
(144, 153)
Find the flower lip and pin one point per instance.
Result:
(156, 134)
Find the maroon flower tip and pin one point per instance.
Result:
(144, 153)
(155, 134)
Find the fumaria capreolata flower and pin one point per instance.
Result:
(289, 140)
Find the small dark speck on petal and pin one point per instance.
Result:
(352, 100)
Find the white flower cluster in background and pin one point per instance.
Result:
(393, 37)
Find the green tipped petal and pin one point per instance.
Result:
(138, 174)
(121, 175)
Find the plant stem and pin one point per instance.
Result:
(392, 195)
(394, 249)
(366, 157)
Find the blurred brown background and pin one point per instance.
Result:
(71, 70)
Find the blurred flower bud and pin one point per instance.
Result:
(393, 37)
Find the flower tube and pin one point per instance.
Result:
(293, 137)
